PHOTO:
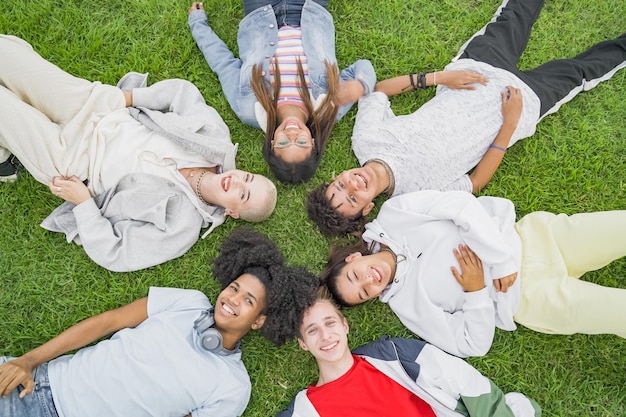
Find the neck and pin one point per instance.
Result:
(330, 371)
(230, 339)
(291, 110)
(383, 180)
(195, 178)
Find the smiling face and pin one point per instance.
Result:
(237, 191)
(364, 277)
(292, 141)
(324, 333)
(240, 306)
(353, 191)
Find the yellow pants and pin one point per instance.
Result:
(556, 251)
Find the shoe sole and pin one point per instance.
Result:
(9, 178)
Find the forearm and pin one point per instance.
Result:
(88, 331)
(402, 83)
(483, 172)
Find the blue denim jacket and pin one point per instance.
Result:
(257, 40)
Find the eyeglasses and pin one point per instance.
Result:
(285, 143)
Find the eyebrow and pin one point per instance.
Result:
(248, 196)
(249, 293)
(314, 324)
(330, 201)
(347, 197)
(359, 293)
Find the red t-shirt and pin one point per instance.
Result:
(364, 391)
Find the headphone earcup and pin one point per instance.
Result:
(211, 340)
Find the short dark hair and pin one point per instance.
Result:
(289, 290)
(323, 295)
(335, 263)
(329, 221)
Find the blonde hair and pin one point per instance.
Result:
(258, 213)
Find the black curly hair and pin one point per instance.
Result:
(289, 290)
(326, 217)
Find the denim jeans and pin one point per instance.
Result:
(287, 11)
(37, 404)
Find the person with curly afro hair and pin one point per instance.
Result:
(172, 352)
(289, 290)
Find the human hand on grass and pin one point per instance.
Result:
(472, 275)
(14, 373)
(69, 189)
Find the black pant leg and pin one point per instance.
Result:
(557, 82)
(502, 41)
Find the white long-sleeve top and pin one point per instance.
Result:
(423, 228)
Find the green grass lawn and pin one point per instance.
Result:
(575, 162)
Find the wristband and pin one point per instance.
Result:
(498, 148)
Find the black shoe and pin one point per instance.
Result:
(8, 170)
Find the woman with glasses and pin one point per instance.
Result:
(286, 80)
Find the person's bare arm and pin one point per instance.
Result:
(19, 371)
(512, 104)
(462, 79)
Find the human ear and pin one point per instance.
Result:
(259, 322)
(353, 256)
(302, 344)
(231, 213)
(368, 207)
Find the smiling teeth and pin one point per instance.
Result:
(228, 309)
(377, 275)
(362, 179)
(325, 348)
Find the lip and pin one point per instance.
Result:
(226, 183)
(228, 310)
(291, 125)
(378, 277)
(362, 180)
(330, 347)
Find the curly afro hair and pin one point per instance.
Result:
(289, 290)
(326, 217)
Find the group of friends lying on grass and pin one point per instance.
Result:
(452, 266)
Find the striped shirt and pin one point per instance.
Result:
(289, 49)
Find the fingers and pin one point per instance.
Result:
(466, 255)
(11, 377)
(511, 93)
(471, 277)
(28, 388)
(196, 5)
(54, 185)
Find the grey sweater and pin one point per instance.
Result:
(145, 219)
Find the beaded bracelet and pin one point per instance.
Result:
(498, 148)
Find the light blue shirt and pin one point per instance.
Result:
(154, 369)
(257, 39)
